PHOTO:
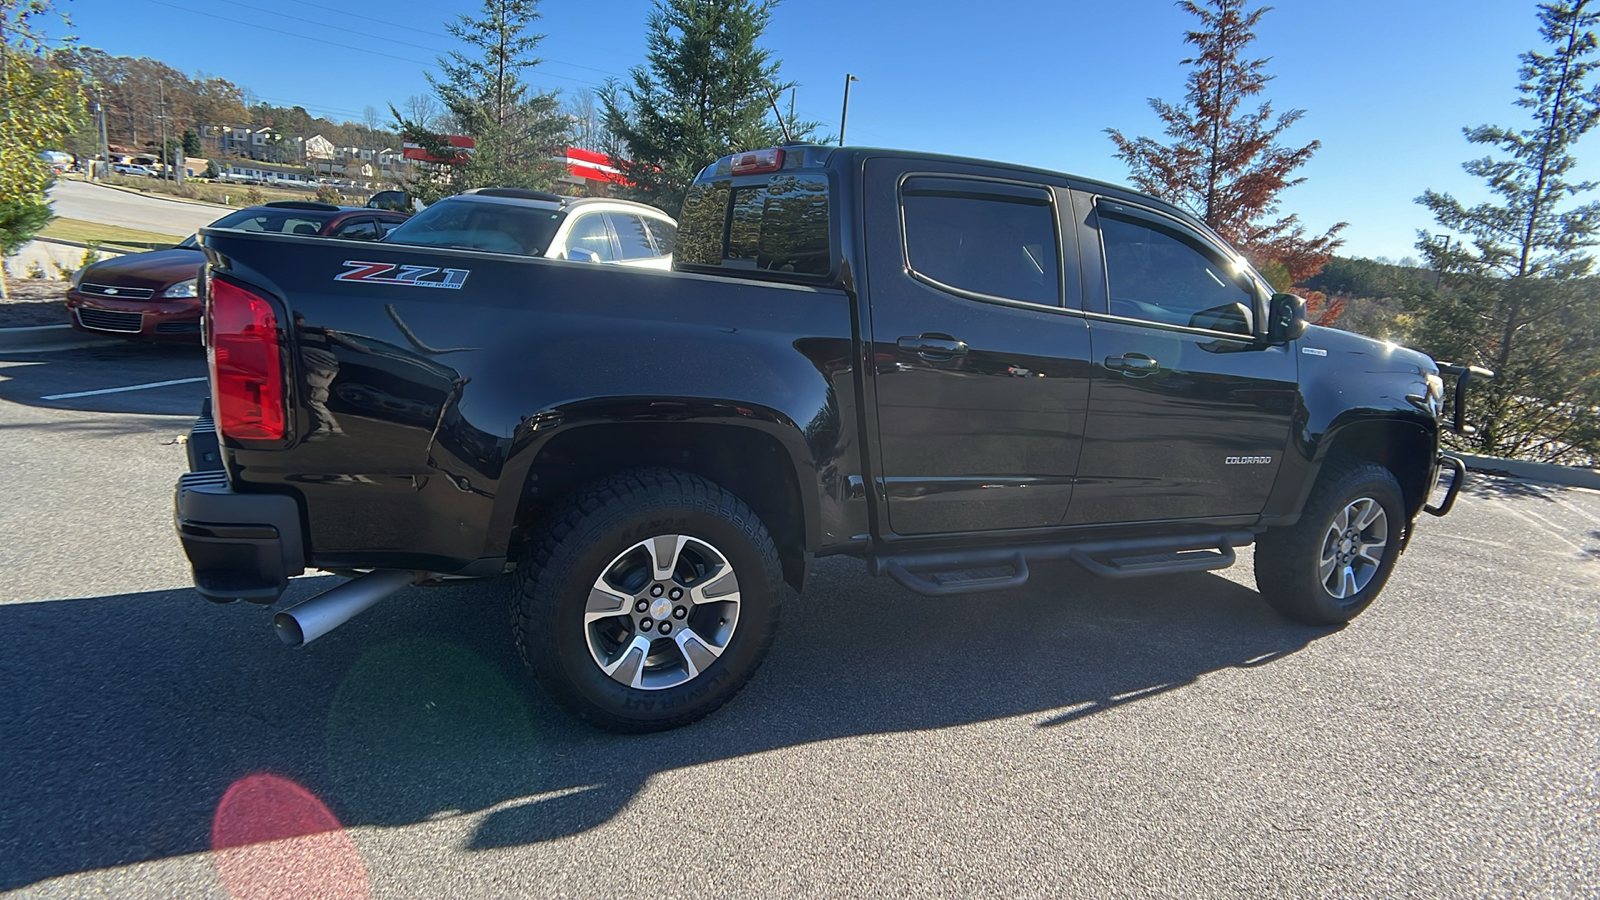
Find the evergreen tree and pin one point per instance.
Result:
(1515, 299)
(705, 91)
(39, 103)
(519, 133)
(1223, 161)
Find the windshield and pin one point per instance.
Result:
(477, 225)
(280, 221)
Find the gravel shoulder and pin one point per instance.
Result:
(33, 301)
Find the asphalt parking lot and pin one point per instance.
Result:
(1168, 737)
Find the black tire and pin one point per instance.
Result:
(590, 536)
(1289, 560)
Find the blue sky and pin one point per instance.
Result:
(1387, 84)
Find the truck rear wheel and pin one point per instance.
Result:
(1331, 564)
(648, 600)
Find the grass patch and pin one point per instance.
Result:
(107, 235)
(226, 194)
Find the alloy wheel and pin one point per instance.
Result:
(662, 612)
(1353, 548)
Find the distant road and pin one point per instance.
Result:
(94, 203)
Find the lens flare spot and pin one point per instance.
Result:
(272, 838)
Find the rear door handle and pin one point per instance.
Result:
(933, 346)
(1133, 364)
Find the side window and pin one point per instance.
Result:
(589, 233)
(632, 236)
(1157, 275)
(665, 234)
(990, 238)
(358, 230)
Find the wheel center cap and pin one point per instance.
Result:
(660, 608)
(1346, 545)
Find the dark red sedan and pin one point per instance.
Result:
(155, 295)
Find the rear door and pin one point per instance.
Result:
(978, 344)
(589, 239)
(1189, 414)
(633, 240)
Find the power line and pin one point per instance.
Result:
(304, 37)
(280, 15)
(352, 15)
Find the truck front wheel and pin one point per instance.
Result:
(1330, 565)
(648, 600)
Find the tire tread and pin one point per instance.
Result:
(1281, 553)
(557, 544)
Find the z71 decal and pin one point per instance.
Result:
(405, 276)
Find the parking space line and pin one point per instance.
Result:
(118, 390)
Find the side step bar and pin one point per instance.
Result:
(995, 569)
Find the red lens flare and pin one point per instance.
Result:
(272, 838)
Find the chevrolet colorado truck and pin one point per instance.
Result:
(951, 369)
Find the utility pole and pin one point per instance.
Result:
(845, 113)
(105, 146)
(162, 115)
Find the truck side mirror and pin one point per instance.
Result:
(1286, 318)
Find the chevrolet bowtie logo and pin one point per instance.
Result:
(112, 291)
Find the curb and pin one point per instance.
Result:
(101, 247)
(158, 196)
(1571, 476)
(49, 337)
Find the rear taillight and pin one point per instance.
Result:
(757, 161)
(246, 364)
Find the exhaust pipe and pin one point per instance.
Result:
(305, 622)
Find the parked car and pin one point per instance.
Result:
(130, 169)
(951, 368)
(399, 200)
(534, 223)
(155, 295)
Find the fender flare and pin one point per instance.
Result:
(537, 432)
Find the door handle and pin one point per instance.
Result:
(1133, 364)
(933, 346)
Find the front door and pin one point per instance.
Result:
(980, 368)
(1189, 413)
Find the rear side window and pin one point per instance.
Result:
(278, 221)
(779, 226)
(994, 239)
(589, 233)
(665, 235)
(631, 235)
(359, 230)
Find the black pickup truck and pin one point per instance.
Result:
(951, 369)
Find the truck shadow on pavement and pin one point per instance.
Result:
(28, 377)
(127, 718)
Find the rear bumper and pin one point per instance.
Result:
(240, 546)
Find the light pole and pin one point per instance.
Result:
(845, 113)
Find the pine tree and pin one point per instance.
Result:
(1516, 299)
(706, 91)
(1223, 161)
(520, 134)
